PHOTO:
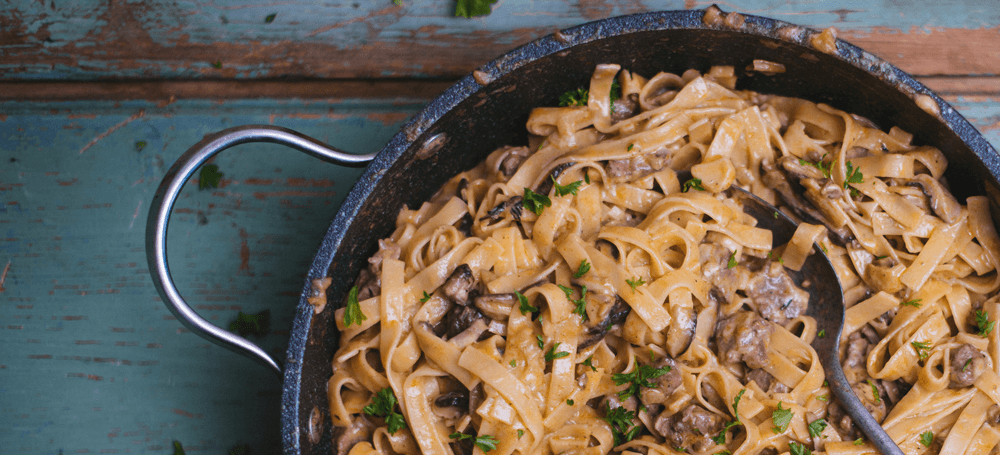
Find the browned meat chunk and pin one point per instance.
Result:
(967, 363)
(690, 429)
(344, 438)
(743, 337)
(715, 268)
(628, 169)
(775, 295)
(458, 285)
(766, 382)
(665, 384)
(624, 108)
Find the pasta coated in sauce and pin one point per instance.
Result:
(597, 292)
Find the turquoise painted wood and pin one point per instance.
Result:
(92, 361)
(376, 38)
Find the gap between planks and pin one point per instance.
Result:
(166, 92)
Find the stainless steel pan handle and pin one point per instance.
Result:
(166, 195)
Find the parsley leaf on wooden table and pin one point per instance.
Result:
(257, 324)
(472, 8)
(209, 177)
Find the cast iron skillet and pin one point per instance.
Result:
(488, 109)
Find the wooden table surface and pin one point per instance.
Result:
(97, 99)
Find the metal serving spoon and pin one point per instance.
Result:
(826, 305)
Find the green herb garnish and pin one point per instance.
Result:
(520, 433)
(535, 202)
(822, 166)
(541, 342)
(589, 363)
(485, 443)
(636, 282)
(781, 418)
(620, 420)
(513, 363)
(823, 397)
(270, 18)
(816, 427)
(638, 378)
(552, 354)
(923, 348)
(567, 189)
(875, 394)
(798, 449)
(584, 268)
(570, 402)
(966, 366)
(140, 145)
(217, 64)
(209, 177)
(472, 8)
(178, 448)
(384, 406)
(732, 260)
(821, 333)
(353, 313)
(927, 438)
(859, 441)
(576, 97)
(252, 324)
(692, 184)
(913, 303)
(525, 307)
(425, 298)
(983, 323)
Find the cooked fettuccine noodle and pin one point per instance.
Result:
(596, 291)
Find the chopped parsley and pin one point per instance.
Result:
(927, 438)
(589, 363)
(217, 64)
(581, 304)
(584, 268)
(536, 202)
(983, 323)
(425, 298)
(353, 313)
(384, 405)
(570, 402)
(966, 366)
(209, 177)
(472, 8)
(822, 166)
(859, 441)
(140, 145)
(692, 184)
(721, 438)
(525, 307)
(586, 177)
(875, 394)
(513, 363)
(552, 354)
(736, 402)
(821, 333)
(775, 215)
(178, 448)
(853, 176)
(636, 282)
(562, 190)
(732, 260)
(923, 348)
(541, 342)
(879, 258)
(823, 397)
(270, 18)
(781, 418)
(638, 378)
(485, 443)
(251, 324)
(822, 246)
(913, 303)
(630, 147)
(520, 433)
(576, 97)
(816, 427)
(798, 449)
(620, 420)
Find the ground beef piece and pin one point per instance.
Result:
(665, 384)
(743, 337)
(766, 382)
(715, 268)
(690, 429)
(775, 295)
(967, 363)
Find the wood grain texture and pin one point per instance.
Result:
(170, 39)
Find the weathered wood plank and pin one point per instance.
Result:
(159, 39)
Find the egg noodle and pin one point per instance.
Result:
(596, 291)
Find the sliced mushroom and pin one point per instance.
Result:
(511, 159)
(942, 202)
(665, 384)
(616, 317)
(546, 185)
(345, 438)
(461, 318)
(967, 364)
(458, 284)
(495, 306)
(514, 204)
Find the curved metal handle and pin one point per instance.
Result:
(166, 195)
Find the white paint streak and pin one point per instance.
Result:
(135, 215)
(112, 130)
